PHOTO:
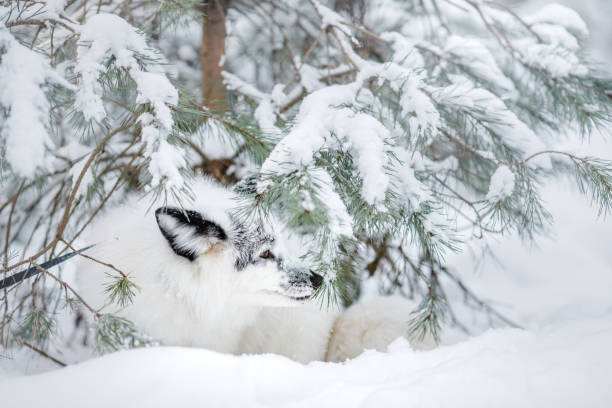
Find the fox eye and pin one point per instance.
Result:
(266, 254)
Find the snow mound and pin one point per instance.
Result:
(567, 367)
(502, 184)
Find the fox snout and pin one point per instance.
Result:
(315, 280)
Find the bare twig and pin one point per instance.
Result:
(66, 286)
(9, 222)
(67, 211)
(123, 275)
(39, 351)
(481, 303)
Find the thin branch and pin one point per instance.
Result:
(39, 351)
(66, 286)
(9, 222)
(94, 259)
(481, 303)
(77, 183)
(67, 212)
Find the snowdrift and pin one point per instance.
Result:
(567, 367)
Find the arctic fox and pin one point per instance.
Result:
(206, 280)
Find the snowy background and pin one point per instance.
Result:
(560, 292)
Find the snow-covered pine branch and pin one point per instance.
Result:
(384, 140)
(428, 118)
(87, 110)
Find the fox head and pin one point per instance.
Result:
(250, 262)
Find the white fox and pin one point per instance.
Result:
(207, 280)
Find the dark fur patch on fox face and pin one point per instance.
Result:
(249, 243)
(253, 247)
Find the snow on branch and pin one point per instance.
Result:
(24, 131)
(435, 113)
(326, 122)
(107, 42)
(400, 131)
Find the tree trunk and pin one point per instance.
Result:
(211, 52)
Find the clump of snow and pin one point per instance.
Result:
(234, 82)
(103, 36)
(330, 18)
(501, 185)
(404, 76)
(556, 35)
(107, 35)
(55, 8)
(165, 164)
(266, 112)
(558, 61)
(215, 141)
(165, 159)
(386, 14)
(265, 116)
(73, 150)
(560, 15)
(483, 105)
(23, 75)
(86, 181)
(559, 28)
(325, 121)
(404, 51)
(416, 105)
(309, 78)
(339, 220)
(409, 187)
(278, 96)
(473, 54)
(156, 89)
(186, 53)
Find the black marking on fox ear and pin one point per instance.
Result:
(187, 232)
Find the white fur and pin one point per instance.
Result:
(372, 325)
(207, 303)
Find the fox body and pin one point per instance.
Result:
(207, 280)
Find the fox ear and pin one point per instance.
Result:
(187, 232)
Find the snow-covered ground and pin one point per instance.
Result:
(566, 367)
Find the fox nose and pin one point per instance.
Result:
(315, 279)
